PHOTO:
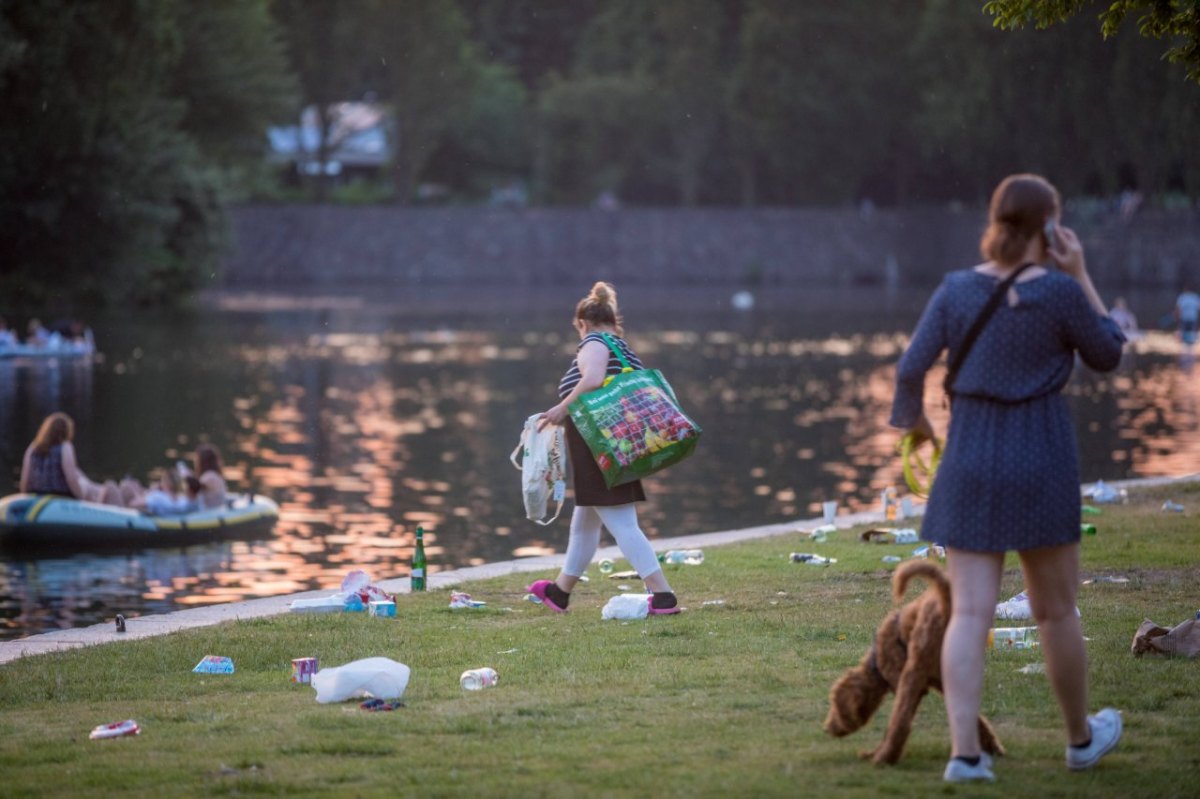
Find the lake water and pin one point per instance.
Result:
(367, 416)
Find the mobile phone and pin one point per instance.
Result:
(1049, 232)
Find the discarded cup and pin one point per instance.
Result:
(115, 730)
(1172, 507)
(607, 566)
(120, 623)
(906, 508)
(829, 511)
(478, 679)
(383, 608)
(303, 670)
(214, 664)
(811, 559)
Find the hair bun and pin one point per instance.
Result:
(604, 294)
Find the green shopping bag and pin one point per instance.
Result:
(633, 425)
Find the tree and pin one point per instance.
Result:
(112, 185)
(428, 67)
(325, 48)
(1178, 20)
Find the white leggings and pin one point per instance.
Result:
(622, 523)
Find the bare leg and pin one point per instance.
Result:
(112, 494)
(974, 587)
(1051, 579)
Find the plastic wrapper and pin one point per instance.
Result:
(627, 606)
(377, 677)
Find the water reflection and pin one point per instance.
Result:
(365, 419)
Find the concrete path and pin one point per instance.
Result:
(161, 624)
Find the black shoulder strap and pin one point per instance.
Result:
(977, 327)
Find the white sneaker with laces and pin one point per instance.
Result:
(961, 771)
(1105, 727)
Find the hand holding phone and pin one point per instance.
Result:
(1050, 232)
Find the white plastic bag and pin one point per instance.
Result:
(382, 678)
(335, 603)
(543, 468)
(627, 606)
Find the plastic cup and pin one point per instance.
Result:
(829, 511)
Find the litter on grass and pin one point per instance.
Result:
(377, 678)
(1102, 493)
(1106, 578)
(214, 664)
(627, 606)
(459, 600)
(357, 593)
(115, 730)
(1182, 639)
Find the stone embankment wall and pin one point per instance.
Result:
(340, 247)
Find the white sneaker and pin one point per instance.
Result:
(1105, 727)
(960, 771)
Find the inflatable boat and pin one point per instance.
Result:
(51, 521)
(56, 349)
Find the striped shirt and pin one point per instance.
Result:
(572, 377)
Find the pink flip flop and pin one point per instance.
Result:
(538, 589)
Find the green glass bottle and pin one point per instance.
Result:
(417, 580)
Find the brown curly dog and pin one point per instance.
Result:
(905, 659)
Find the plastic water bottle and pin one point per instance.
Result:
(478, 679)
(1013, 638)
(692, 557)
(606, 566)
(1087, 529)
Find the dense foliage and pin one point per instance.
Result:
(133, 122)
(126, 123)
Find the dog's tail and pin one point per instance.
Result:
(921, 568)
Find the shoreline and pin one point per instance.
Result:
(139, 627)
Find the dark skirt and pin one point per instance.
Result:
(1009, 478)
(588, 480)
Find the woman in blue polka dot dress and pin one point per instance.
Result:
(1009, 478)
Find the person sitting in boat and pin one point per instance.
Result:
(50, 467)
(36, 335)
(8, 339)
(169, 497)
(211, 492)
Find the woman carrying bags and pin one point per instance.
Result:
(596, 505)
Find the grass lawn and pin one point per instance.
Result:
(723, 700)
